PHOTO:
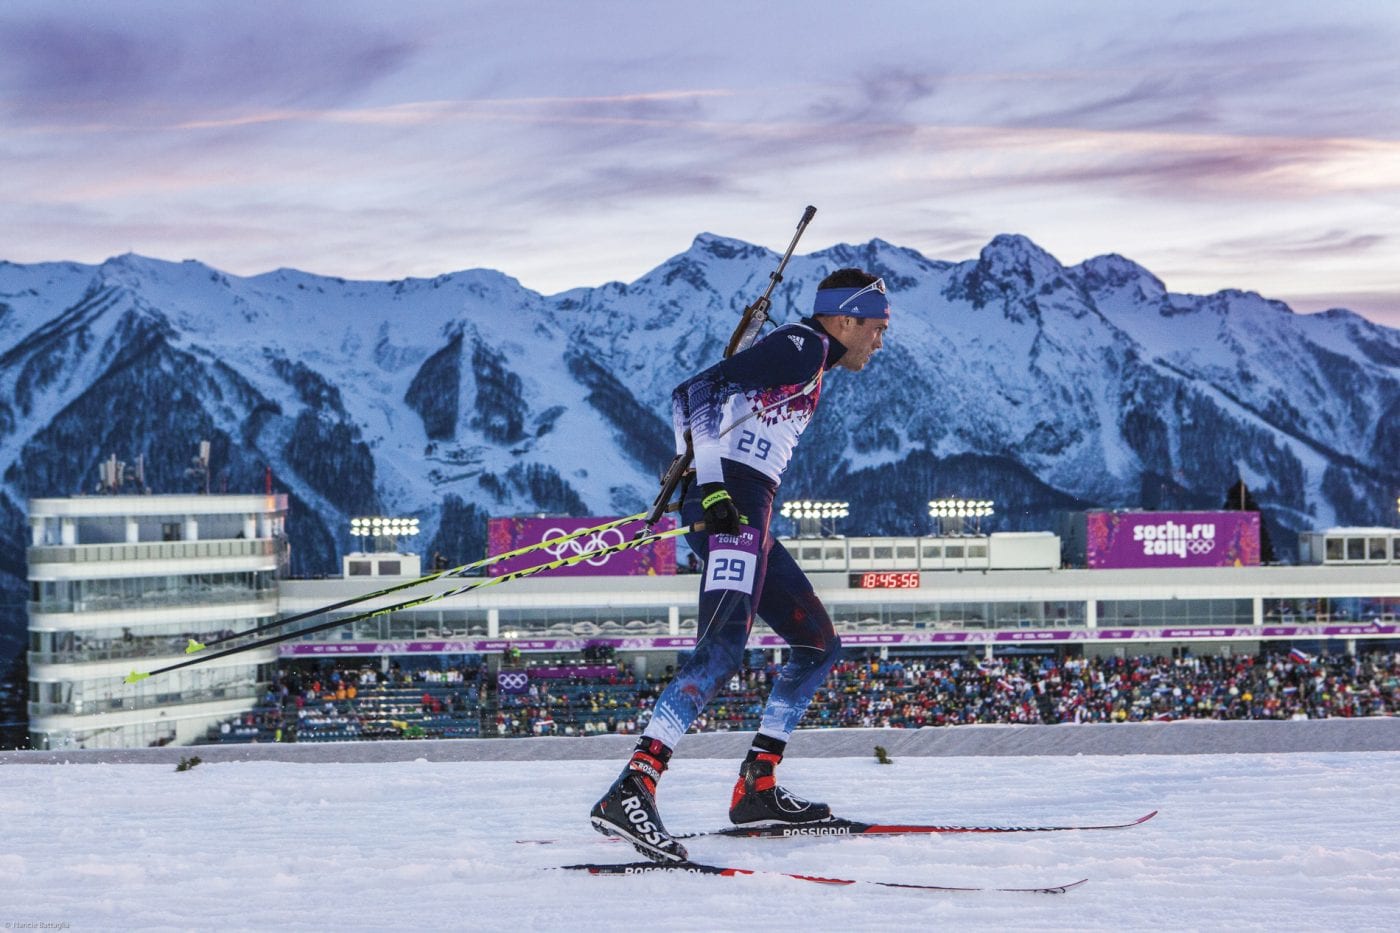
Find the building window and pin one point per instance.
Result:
(1171, 612)
(165, 590)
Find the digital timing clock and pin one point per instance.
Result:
(885, 580)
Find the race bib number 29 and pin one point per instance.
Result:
(733, 562)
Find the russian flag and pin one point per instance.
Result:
(1299, 656)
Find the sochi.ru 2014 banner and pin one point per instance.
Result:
(509, 534)
(1172, 539)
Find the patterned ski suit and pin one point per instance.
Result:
(744, 415)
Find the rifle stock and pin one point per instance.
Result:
(670, 480)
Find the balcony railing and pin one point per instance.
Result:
(153, 550)
(88, 650)
(150, 701)
(163, 599)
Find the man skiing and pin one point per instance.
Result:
(743, 417)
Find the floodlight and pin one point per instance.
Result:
(950, 512)
(378, 526)
(810, 514)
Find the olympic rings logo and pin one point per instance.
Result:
(1201, 547)
(585, 544)
(512, 681)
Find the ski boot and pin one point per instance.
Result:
(758, 798)
(628, 809)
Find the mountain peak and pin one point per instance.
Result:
(1228, 299)
(1112, 273)
(1013, 254)
(132, 261)
(723, 247)
(133, 269)
(1010, 264)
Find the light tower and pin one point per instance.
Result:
(812, 514)
(380, 530)
(950, 514)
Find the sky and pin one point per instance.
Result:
(1303, 841)
(1251, 145)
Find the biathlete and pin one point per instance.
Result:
(743, 417)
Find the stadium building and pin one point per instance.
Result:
(988, 595)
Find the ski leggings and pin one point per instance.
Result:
(786, 602)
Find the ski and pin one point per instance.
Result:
(842, 827)
(697, 868)
(837, 827)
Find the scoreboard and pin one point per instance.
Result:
(884, 580)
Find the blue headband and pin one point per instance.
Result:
(869, 301)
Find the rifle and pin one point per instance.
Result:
(756, 314)
(752, 321)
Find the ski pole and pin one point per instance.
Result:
(137, 676)
(195, 646)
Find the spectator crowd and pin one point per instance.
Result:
(907, 692)
(913, 693)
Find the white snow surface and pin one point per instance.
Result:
(1242, 842)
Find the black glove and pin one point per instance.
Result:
(721, 515)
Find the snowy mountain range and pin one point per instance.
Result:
(1010, 376)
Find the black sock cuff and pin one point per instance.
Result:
(767, 744)
(655, 748)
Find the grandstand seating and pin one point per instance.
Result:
(588, 698)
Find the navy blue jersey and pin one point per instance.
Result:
(752, 407)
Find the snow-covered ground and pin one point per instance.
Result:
(1259, 841)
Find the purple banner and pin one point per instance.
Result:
(989, 636)
(512, 681)
(509, 534)
(1130, 540)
